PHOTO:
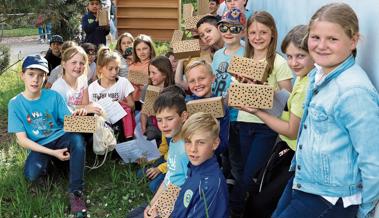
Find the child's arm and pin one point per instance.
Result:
(129, 101)
(153, 172)
(25, 142)
(179, 75)
(144, 118)
(159, 191)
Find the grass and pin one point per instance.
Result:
(111, 190)
(27, 31)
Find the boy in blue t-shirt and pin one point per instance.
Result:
(95, 34)
(36, 117)
(204, 193)
(171, 113)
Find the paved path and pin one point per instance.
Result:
(23, 46)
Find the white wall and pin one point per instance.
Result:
(289, 13)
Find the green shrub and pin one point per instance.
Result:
(4, 57)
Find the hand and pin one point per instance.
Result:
(249, 109)
(93, 109)
(62, 154)
(80, 112)
(150, 212)
(151, 173)
(141, 160)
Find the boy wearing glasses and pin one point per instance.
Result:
(231, 27)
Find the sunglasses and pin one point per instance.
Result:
(233, 29)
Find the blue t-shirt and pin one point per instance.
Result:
(205, 189)
(177, 161)
(41, 119)
(220, 65)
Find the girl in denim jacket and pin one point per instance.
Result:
(337, 151)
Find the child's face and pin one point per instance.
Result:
(156, 76)
(200, 147)
(91, 56)
(143, 51)
(126, 42)
(174, 62)
(329, 45)
(170, 122)
(33, 79)
(75, 66)
(209, 34)
(56, 48)
(259, 36)
(212, 6)
(200, 81)
(240, 4)
(110, 71)
(299, 60)
(93, 6)
(228, 37)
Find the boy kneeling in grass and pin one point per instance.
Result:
(36, 116)
(204, 193)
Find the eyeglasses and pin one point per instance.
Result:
(233, 29)
(91, 52)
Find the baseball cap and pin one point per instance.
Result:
(35, 61)
(56, 38)
(233, 16)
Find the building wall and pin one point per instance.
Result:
(157, 18)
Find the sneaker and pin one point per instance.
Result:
(77, 202)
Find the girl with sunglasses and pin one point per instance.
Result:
(257, 139)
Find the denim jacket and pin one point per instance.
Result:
(338, 144)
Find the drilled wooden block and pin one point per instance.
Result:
(187, 10)
(83, 124)
(190, 22)
(251, 95)
(138, 78)
(103, 16)
(214, 106)
(248, 68)
(166, 201)
(177, 36)
(186, 48)
(152, 93)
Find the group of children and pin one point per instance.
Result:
(215, 162)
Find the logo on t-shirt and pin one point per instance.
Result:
(222, 80)
(187, 197)
(41, 123)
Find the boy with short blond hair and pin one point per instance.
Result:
(204, 194)
(200, 77)
(36, 117)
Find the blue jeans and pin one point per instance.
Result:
(298, 204)
(256, 143)
(36, 162)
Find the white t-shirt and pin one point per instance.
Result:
(119, 91)
(71, 96)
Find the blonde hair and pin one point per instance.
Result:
(266, 19)
(120, 38)
(71, 52)
(200, 123)
(196, 63)
(104, 56)
(341, 14)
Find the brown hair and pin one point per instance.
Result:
(298, 36)
(266, 19)
(163, 64)
(341, 14)
(142, 38)
(122, 36)
(104, 56)
(70, 52)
